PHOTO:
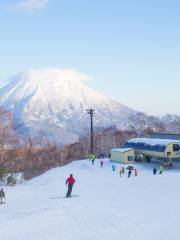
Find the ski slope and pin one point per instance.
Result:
(108, 207)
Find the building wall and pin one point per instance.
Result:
(170, 149)
(151, 153)
(160, 154)
(121, 157)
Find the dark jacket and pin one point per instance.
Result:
(2, 194)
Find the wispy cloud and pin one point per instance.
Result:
(29, 5)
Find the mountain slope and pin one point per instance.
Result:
(53, 103)
(108, 207)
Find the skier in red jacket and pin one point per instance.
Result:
(70, 181)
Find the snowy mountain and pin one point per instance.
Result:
(107, 207)
(53, 102)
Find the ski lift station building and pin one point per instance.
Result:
(154, 147)
(122, 155)
(148, 147)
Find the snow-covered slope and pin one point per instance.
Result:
(108, 207)
(54, 102)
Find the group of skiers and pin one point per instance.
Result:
(131, 169)
(70, 181)
(92, 157)
(161, 170)
(122, 170)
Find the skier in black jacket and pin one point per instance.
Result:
(2, 196)
(129, 173)
(154, 171)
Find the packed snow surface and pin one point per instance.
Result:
(152, 141)
(108, 207)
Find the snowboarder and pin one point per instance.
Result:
(135, 172)
(154, 171)
(113, 168)
(2, 196)
(161, 169)
(102, 163)
(70, 182)
(129, 173)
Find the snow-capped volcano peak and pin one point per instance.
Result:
(55, 87)
(51, 91)
(55, 100)
(51, 75)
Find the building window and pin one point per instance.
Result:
(168, 154)
(176, 147)
(130, 158)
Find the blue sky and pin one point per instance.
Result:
(131, 48)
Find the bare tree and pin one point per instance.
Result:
(8, 138)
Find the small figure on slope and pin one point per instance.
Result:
(101, 163)
(2, 196)
(135, 172)
(70, 182)
(113, 168)
(129, 173)
(93, 160)
(154, 171)
(92, 157)
(120, 172)
(123, 170)
(161, 169)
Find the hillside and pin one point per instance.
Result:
(108, 207)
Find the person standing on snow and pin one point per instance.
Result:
(154, 171)
(93, 160)
(129, 173)
(70, 182)
(161, 169)
(135, 172)
(2, 196)
(113, 168)
(102, 163)
(120, 172)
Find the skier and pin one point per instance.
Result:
(93, 160)
(2, 196)
(120, 172)
(70, 181)
(113, 168)
(93, 157)
(154, 171)
(129, 173)
(135, 172)
(161, 169)
(102, 163)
